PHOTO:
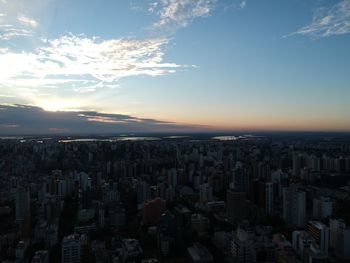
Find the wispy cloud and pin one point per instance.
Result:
(243, 4)
(82, 60)
(174, 14)
(73, 64)
(327, 22)
(13, 27)
(27, 21)
(9, 32)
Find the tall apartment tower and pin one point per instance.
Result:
(22, 204)
(340, 238)
(205, 193)
(235, 206)
(320, 232)
(294, 210)
(71, 249)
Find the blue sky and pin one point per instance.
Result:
(223, 64)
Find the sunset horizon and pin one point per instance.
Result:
(198, 65)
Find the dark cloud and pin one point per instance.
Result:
(24, 119)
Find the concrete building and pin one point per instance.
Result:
(143, 193)
(131, 250)
(302, 240)
(199, 224)
(242, 244)
(198, 253)
(205, 193)
(41, 256)
(340, 238)
(71, 249)
(240, 178)
(320, 232)
(322, 207)
(294, 208)
(153, 209)
(236, 206)
(315, 255)
(22, 204)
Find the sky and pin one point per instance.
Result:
(174, 65)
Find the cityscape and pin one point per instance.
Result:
(175, 131)
(193, 198)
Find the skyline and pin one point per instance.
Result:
(174, 65)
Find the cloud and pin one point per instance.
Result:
(73, 65)
(27, 21)
(328, 22)
(243, 4)
(18, 18)
(6, 96)
(174, 14)
(88, 62)
(9, 32)
(21, 26)
(24, 119)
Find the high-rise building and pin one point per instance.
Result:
(336, 227)
(41, 256)
(269, 198)
(241, 180)
(315, 255)
(22, 203)
(340, 238)
(320, 232)
(198, 253)
(166, 233)
(183, 225)
(294, 210)
(205, 193)
(262, 194)
(322, 207)
(143, 193)
(236, 206)
(297, 163)
(172, 177)
(71, 249)
(242, 244)
(153, 209)
(302, 240)
(131, 250)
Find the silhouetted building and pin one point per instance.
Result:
(153, 209)
(236, 206)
